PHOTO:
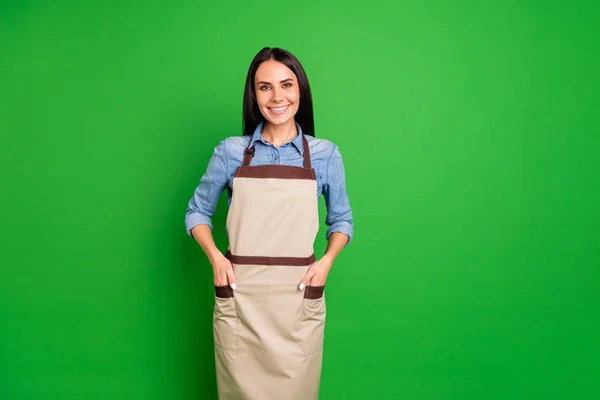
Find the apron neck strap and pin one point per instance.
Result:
(249, 153)
(306, 152)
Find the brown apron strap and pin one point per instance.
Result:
(258, 260)
(249, 153)
(306, 152)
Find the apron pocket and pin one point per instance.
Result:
(223, 291)
(314, 292)
(225, 321)
(313, 319)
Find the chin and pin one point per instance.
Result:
(278, 121)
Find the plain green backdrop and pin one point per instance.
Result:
(470, 135)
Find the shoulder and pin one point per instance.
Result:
(236, 141)
(233, 145)
(321, 149)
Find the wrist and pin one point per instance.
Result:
(327, 260)
(215, 256)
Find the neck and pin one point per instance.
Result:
(279, 134)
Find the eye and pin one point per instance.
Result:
(264, 87)
(287, 85)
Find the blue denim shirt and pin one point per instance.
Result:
(326, 160)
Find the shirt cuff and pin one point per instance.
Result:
(195, 219)
(342, 227)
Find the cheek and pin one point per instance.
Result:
(261, 99)
(296, 97)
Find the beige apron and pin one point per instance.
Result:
(268, 334)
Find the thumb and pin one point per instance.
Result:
(306, 279)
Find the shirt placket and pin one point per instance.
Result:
(276, 155)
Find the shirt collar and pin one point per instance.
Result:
(258, 137)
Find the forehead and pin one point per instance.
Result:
(273, 71)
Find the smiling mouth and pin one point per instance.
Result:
(278, 110)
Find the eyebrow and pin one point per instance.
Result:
(283, 81)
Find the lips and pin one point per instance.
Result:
(278, 110)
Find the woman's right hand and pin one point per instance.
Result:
(223, 272)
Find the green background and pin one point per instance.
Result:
(470, 135)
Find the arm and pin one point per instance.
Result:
(339, 220)
(339, 212)
(222, 267)
(201, 208)
(203, 203)
(337, 241)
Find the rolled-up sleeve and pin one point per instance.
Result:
(339, 213)
(203, 203)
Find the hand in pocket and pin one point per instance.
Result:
(316, 274)
(223, 273)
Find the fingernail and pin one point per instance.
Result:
(233, 286)
(301, 286)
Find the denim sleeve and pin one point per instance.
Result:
(202, 205)
(339, 213)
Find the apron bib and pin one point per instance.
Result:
(268, 334)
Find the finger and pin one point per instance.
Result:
(223, 277)
(306, 280)
(317, 281)
(231, 278)
(219, 278)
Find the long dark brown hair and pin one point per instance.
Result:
(251, 113)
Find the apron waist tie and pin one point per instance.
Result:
(260, 260)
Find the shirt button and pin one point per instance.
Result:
(277, 157)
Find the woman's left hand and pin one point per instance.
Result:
(316, 274)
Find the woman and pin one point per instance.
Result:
(269, 311)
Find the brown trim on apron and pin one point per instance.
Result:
(223, 291)
(314, 292)
(256, 260)
(275, 171)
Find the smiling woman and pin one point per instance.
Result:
(269, 333)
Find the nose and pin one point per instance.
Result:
(276, 95)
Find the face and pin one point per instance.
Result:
(277, 92)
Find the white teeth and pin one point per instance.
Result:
(279, 109)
